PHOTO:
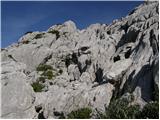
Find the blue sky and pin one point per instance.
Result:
(19, 17)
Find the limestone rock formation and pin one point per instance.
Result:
(17, 95)
(62, 69)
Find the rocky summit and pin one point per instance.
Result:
(58, 72)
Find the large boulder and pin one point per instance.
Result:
(17, 95)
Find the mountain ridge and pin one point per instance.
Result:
(63, 69)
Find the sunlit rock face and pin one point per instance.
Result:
(87, 67)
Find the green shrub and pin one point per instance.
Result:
(120, 109)
(44, 67)
(117, 109)
(150, 110)
(48, 74)
(133, 111)
(38, 36)
(37, 87)
(55, 32)
(48, 71)
(100, 115)
(41, 79)
(83, 113)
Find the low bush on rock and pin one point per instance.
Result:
(41, 79)
(37, 87)
(55, 32)
(83, 113)
(120, 109)
(48, 74)
(44, 67)
(38, 36)
(150, 111)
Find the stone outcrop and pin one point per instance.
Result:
(17, 95)
(84, 68)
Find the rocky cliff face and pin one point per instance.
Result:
(63, 69)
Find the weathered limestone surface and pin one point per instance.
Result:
(94, 63)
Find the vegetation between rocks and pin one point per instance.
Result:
(55, 32)
(41, 79)
(120, 109)
(37, 87)
(44, 67)
(47, 71)
(150, 111)
(48, 74)
(38, 36)
(83, 113)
